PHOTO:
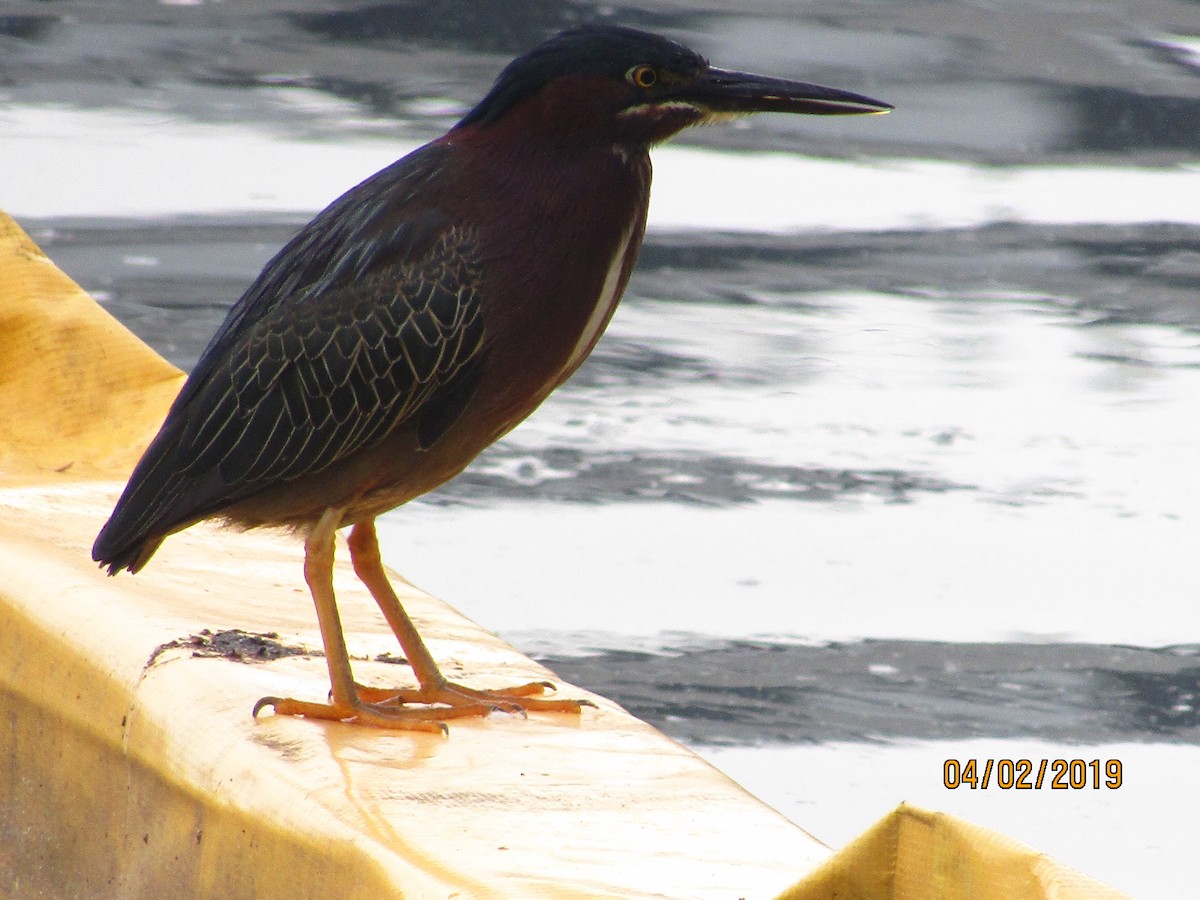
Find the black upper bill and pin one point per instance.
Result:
(719, 90)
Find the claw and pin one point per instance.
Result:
(265, 701)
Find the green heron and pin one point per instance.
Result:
(419, 318)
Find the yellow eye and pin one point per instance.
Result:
(643, 76)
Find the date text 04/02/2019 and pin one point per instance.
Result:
(1026, 774)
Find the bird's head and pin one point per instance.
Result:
(621, 85)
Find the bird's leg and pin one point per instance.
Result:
(434, 687)
(346, 703)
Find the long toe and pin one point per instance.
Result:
(524, 697)
(387, 715)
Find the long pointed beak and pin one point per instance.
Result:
(722, 91)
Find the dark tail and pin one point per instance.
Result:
(143, 517)
(129, 537)
(131, 556)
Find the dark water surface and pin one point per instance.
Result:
(924, 473)
(747, 693)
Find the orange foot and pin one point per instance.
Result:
(386, 708)
(363, 712)
(465, 701)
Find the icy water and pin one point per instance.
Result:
(889, 455)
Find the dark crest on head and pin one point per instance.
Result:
(608, 51)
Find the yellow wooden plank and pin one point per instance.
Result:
(135, 779)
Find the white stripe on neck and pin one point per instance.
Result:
(609, 295)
